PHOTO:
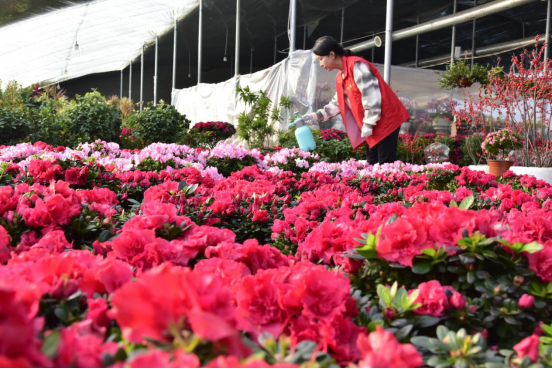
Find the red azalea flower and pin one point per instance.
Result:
(380, 349)
(528, 347)
(433, 299)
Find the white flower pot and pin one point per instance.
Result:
(482, 168)
(539, 173)
(544, 174)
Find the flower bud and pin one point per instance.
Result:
(458, 301)
(526, 301)
(519, 280)
(389, 313)
(497, 290)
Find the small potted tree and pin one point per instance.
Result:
(497, 146)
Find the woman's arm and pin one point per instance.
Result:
(326, 113)
(368, 85)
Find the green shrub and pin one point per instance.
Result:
(14, 126)
(92, 118)
(256, 127)
(161, 123)
(51, 124)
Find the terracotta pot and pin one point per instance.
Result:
(464, 82)
(499, 167)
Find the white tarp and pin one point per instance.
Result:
(220, 101)
(109, 34)
(310, 87)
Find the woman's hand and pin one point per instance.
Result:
(366, 130)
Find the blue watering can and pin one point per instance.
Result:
(303, 134)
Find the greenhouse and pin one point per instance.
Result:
(275, 183)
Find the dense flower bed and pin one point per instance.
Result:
(154, 258)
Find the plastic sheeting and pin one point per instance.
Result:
(295, 76)
(309, 86)
(109, 35)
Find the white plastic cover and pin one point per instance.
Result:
(109, 34)
(310, 87)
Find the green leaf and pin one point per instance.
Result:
(470, 277)
(421, 341)
(182, 185)
(367, 254)
(453, 204)
(467, 203)
(404, 332)
(442, 332)
(422, 268)
(51, 344)
(429, 252)
(413, 296)
(532, 247)
(425, 321)
(373, 324)
(61, 314)
(384, 294)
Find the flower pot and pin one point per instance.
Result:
(481, 168)
(463, 82)
(544, 174)
(499, 167)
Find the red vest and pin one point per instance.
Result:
(393, 112)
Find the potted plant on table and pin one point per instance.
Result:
(498, 145)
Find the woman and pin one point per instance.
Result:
(370, 110)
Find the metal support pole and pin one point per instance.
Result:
(417, 44)
(453, 42)
(388, 42)
(199, 41)
(122, 81)
(130, 82)
(275, 48)
(174, 55)
(373, 49)
(523, 29)
(473, 36)
(293, 25)
(237, 57)
(342, 25)
(547, 32)
(156, 71)
(251, 60)
(305, 38)
(142, 80)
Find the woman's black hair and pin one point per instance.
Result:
(326, 44)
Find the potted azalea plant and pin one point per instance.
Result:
(497, 146)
